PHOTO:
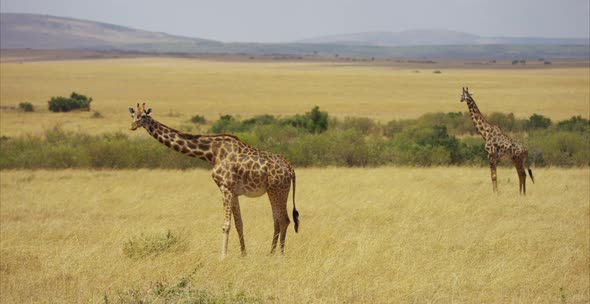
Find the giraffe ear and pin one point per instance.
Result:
(132, 111)
(148, 112)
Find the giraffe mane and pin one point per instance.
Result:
(195, 136)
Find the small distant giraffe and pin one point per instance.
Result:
(238, 169)
(499, 145)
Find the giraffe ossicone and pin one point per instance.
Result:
(237, 169)
(498, 145)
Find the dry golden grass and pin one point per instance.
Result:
(182, 88)
(382, 235)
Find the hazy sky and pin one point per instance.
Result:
(280, 21)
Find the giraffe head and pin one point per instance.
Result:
(466, 96)
(139, 116)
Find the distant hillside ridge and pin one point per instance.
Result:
(31, 31)
(50, 32)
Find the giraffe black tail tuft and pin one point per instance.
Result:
(296, 219)
(295, 212)
(531, 175)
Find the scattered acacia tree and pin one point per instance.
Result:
(74, 102)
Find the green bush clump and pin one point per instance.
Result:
(26, 106)
(74, 102)
(315, 121)
(59, 149)
(198, 119)
(537, 121)
(575, 124)
(560, 148)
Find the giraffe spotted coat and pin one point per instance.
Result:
(498, 145)
(237, 169)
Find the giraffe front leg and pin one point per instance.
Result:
(227, 212)
(493, 162)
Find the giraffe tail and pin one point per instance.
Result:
(295, 212)
(531, 175)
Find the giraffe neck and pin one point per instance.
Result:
(479, 121)
(198, 146)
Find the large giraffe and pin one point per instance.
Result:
(238, 169)
(498, 145)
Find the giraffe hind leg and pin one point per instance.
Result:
(278, 203)
(284, 224)
(518, 165)
(525, 165)
(522, 179)
(275, 235)
(239, 225)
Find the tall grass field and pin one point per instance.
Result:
(381, 235)
(183, 88)
(82, 219)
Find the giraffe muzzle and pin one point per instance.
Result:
(133, 126)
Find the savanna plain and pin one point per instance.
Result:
(368, 235)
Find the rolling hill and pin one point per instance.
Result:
(19, 31)
(49, 32)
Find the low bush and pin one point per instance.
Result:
(26, 106)
(74, 102)
(96, 114)
(198, 119)
(314, 121)
(575, 124)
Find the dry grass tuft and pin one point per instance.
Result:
(154, 244)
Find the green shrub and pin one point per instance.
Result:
(198, 119)
(393, 127)
(26, 106)
(472, 151)
(264, 119)
(226, 123)
(348, 148)
(537, 121)
(74, 102)
(428, 145)
(363, 124)
(505, 121)
(575, 124)
(315, 121)
(560, 148)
